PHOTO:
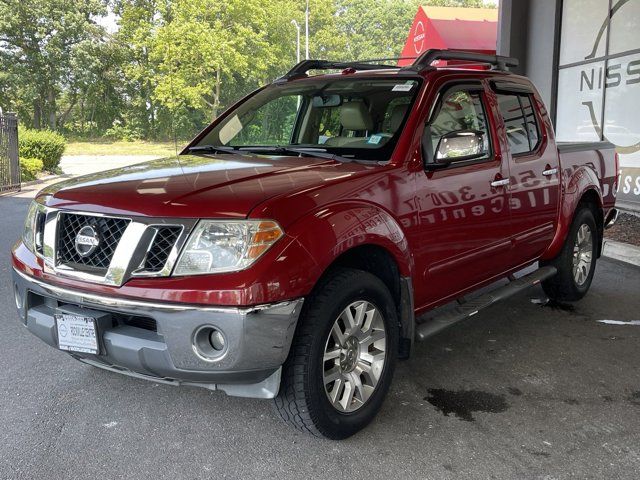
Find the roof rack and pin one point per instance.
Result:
(304, 66)
(428, 57)
(420, 63)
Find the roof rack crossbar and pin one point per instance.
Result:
(427, 58)
(422, 62)
(389, 59)
(304, 66)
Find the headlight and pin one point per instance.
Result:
(217, 246)
(34, 227)
(29, 233)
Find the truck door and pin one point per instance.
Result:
(534, 186)
(463, 225)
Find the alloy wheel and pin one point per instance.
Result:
(582, 254)
(354, 356)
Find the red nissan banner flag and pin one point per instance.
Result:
(471, 29)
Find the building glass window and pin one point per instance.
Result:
(599, 81)
(581, 22)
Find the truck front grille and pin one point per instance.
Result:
(110, 232)
(109, 250)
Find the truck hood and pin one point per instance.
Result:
(188, 186)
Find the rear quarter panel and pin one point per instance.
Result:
(584, 171)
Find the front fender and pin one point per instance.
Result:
(576, 183)
(334, 229)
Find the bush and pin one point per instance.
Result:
(123, 132)
(46, 145)
(30, 168)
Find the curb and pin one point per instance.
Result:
(628, 207)
(31, 183)
(43, 180)
(622, 252)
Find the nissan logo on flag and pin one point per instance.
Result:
(418, 37)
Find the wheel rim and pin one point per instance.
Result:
(582, 254)
(354, 356)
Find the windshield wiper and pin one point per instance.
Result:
(213, 148)
(299, 151)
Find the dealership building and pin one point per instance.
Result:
(584, 58)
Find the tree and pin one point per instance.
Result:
(37, 39)
(138, 22)
(202, 44)
(173, 65)
(94, 95)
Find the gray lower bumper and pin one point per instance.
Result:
(156, 340)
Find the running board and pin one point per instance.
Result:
(471, 307)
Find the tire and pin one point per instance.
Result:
(303, 401)
(567, 285)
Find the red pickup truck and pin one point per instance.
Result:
(303, 241)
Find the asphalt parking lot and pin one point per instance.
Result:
(519, 391)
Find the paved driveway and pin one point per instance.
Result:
(519, 391)
(85, 164)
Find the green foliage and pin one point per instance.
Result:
(45, 145)
(171, 66)
(38, 41)
(30, 168)
(123, 132)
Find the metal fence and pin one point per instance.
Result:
(9, 163)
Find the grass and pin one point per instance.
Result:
(118, 147)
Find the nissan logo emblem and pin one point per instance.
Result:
(87, 240)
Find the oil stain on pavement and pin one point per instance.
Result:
(464, 403)
(559, 306)
(516, 392)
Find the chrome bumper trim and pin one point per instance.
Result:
(75, 296)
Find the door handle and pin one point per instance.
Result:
(550, 171)
(500, 183)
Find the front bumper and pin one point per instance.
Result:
(156, 340)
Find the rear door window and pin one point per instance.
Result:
(530, 121)
(520, 122)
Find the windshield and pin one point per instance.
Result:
(353, 118)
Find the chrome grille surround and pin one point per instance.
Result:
(142, 246)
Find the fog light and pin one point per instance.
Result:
(216, 339)
(18, 297)
(209, 343)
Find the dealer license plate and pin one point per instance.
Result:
(76, 333)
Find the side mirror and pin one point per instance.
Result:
(459, 146)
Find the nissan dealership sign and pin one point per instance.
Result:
(599, 83)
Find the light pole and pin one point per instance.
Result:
(295, 24)
(306, 31)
